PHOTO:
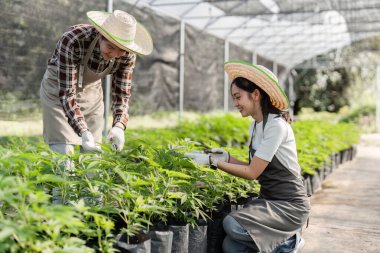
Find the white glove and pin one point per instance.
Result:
(199, 158)
(219, 155)
(116, 138)
(88, 143)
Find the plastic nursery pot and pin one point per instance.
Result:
(180, 238)
(215, 235)
(321, 173)
(345, 155)
(222, 209)
(242, 201)
(215, 231)
(315, 182)
(180, 230)
(328, 169)
(307, 184)
(135, 244)
(161, 237)
(91, 242)
(161, 241)
(198, 237)
(333, 162)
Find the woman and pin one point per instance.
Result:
(272, 221)
(71, 91)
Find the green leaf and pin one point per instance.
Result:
(6, 233)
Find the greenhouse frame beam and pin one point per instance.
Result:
(189, 10)
(174, 3)
(269, 36)
(294, 25)
(286, 13)
(349, 21)
(226, 58)
(378, 98)
(182, 69)
(107, 85)
(214, 19)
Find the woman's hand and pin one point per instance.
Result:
(199, 158)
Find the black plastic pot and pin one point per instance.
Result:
(180, 238)
(161, 237)
(161, 241)
(307, 184)
(140, 243)
(242, 201)
(215, 231)
(198, 237)
(315, 182)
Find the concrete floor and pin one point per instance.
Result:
(345, 215)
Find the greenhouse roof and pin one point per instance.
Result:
(285, 31)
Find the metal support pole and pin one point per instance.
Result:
(107, 85)
(378, 99)
(254, 58)
(275, 69)
(181, 69)
(291, 93)
(226, 57)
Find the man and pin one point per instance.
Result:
(71, 92)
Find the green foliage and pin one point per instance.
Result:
(318, 140)
(364, 117)
(29, 224)
(129, 191)
(322, 89)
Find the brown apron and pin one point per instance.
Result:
(281, 209)
(89, 97)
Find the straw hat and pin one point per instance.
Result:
(122, 29)
(262, 77)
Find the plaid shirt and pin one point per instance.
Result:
(70, 49)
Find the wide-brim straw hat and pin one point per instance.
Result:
(123, 30)
(262, 77)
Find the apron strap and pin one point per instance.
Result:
(250, 153)
(85, 60)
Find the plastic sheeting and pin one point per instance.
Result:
(288, 32)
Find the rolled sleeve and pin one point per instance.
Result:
(69, 50)
(121, 89)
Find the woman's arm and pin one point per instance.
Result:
(243, 170)
(236, 161)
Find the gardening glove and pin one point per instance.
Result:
(219, 155)
(116, 138)
(199, 158)
(88, 143)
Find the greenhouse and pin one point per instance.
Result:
(189, 126)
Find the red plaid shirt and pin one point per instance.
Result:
(70, 49)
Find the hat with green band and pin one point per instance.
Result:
(123, 30)
(262, 77)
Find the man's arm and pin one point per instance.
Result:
(68, 59)
(121, 90)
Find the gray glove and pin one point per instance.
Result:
(199, 158)
(219, 155)
(88, 143)
(116, 138)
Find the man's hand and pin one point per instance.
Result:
(116, 138)
(88, 143)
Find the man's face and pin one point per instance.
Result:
(109, 50)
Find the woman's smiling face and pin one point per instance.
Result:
(243, 101)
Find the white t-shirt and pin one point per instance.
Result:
(277, 140)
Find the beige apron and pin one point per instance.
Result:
(89, 97)
(281, 209)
